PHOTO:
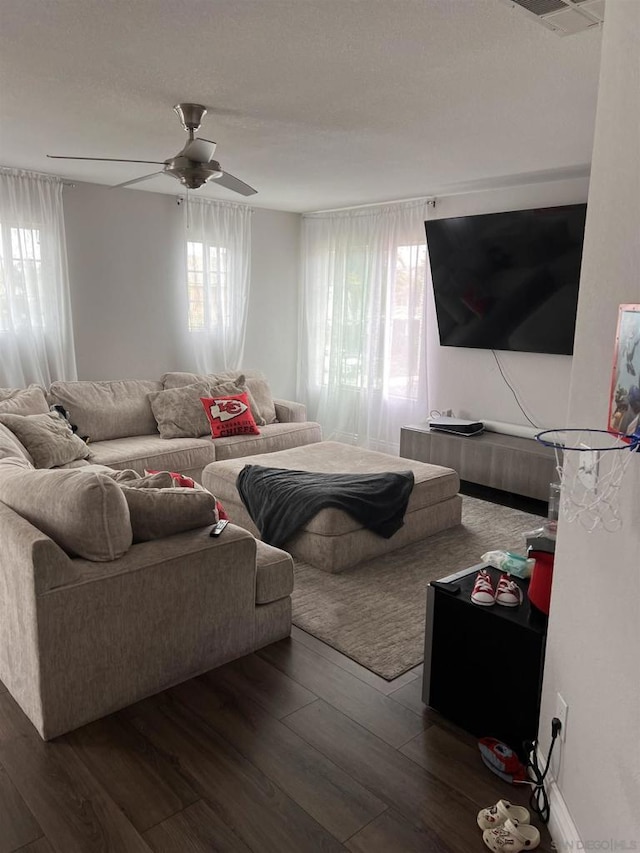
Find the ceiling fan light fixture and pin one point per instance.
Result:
(191, 174)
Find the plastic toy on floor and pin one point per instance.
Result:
(502, 760)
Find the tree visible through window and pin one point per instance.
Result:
(207, 286)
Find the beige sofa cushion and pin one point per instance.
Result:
(139, 452)
(159, 512)
(179, 412)
(261, 392)
(245, 382)
(272, 438)
(48, 438)
(23, 401)
(104, 410)
(85, 513)
(11, 446)
(274, 573)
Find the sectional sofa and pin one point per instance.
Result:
(118, 419)
(95, 611)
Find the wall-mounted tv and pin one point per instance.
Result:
(508, 281)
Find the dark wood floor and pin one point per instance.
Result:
(295, 748)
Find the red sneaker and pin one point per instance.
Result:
(509, 593)
(483, 592)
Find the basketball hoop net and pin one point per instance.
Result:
(590, 477)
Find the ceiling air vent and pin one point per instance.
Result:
(564, 17)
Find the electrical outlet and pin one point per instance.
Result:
(562, 709)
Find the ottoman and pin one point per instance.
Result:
(332, 540)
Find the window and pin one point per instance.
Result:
(20, 279)
(385, 354)
(207, 285)
(407, 314)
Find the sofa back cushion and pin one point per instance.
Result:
(23, 401)
(85, 513)
(110, 409)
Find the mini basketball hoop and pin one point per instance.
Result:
(590, 478)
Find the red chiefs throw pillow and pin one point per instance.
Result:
(229, 415)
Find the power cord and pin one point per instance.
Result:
(539, 801)
(511, 388)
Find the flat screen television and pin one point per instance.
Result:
(508, 281)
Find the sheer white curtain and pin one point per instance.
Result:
(218, 256)
(36, 334)
(364, 366)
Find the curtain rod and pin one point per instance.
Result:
(504, 182)
(429, 200)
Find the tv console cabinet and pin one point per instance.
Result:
(522, 466)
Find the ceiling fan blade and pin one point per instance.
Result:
(235, 184)
(105, 159)
(200, 150)
(137, 180)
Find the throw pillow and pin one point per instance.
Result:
(85, 513)
(230, 416)
(261, 393)
(179, 380)
(178, 479)
(178, 411)
(23, 401)
(48, 438)
(10, 446)
(159, 512)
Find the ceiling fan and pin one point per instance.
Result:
(193, 165)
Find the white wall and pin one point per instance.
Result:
(125, 266)
(593, 648)
(272, 324)
(124, 260)
(468, 380)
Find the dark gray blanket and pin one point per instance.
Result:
(281, 501)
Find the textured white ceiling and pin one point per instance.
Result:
(316, 103)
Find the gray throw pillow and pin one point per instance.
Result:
(48, 438)
(23, 401)
(179, 412)
(260, 391)
(217, 380)
(10, 446)
(159, 512)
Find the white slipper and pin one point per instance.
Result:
(500, 813)
(511, 836)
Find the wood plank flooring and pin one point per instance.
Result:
(295, 748)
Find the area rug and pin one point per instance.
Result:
(375, 612)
